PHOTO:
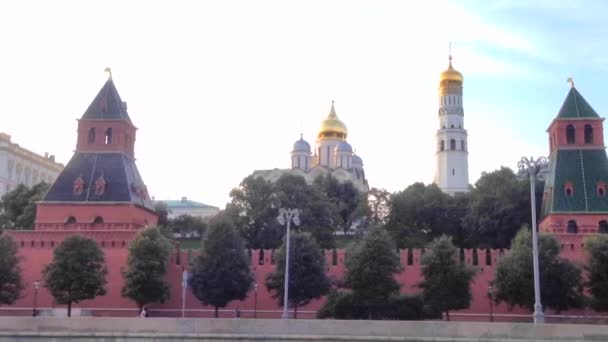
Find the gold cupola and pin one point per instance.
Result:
(450, 74)
(332, 127)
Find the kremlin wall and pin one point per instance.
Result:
(101, 195)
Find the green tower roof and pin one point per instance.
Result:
(576, 107)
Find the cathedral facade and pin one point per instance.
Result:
(332, 155)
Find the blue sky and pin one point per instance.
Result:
(221, 88)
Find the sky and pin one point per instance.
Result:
(219, 89)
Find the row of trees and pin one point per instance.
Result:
(488, 216)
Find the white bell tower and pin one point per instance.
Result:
(452, 174)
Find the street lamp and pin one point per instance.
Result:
(286, 216)
(36, 287)
(491, 298)
(532, 168)
(255, 300)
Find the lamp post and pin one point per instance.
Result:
(34, 309)
(532, 168)
(255, 300)
(491, 298)
(286, 216)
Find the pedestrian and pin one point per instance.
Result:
(143, 313)
(237, 313)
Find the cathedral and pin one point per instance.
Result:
(332, 155)
(452, 171)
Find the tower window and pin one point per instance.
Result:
(570, 134)
(569, 189)
(602, 227)
(572, 227)
(452, 144)
(70, 220)
(453, 172)
(442, 145)
(601, 189)
(91, 138)
(588, 134)
(462, 147)
(98, 220)
(451, 126)
(108, 136)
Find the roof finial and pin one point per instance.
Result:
(571, 81)
(450, 51)
(109, 71)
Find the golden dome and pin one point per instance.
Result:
(451, 74)
(332, 127)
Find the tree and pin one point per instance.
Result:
(597, 248)
(221, 273)
(188, 226)
(370, 271)
(499, 206)
(11, 283)
(346, 200)
(379, 205)
(307, 278)
(163, 213)
(77, 272)
(560, 280)
(317, 214)
(18, 207)
(146, 268)
(422, 212)
(253, 211)
(447, 282)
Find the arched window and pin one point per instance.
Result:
(70, 220)
(98, 220)
(588, 134)
(452, 144)
(572, 227)
(108, 136)
(442, 145)
(462, 147)
(570, 134)
(602, 227)
(91, 135)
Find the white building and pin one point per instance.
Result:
(452, 174)
(332, 154)
(21, 166)
(185, 206)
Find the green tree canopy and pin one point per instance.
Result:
(255, 204)
(560, 280)
(254, 212)
(188, 226)
(163, 213)
(597, 249)
(221, 273)
(77, 272)
(307, 278)
(346, 201)
(379, 201)
(371, 266)
(11, 283)
(447, 282)
(422, 212)
(146, 268)
(499, 206)
(18, 207)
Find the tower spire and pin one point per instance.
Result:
(571, 81)
(450, 52)
(109, 71)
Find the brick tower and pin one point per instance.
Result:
(575, 201)
(100, 188)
